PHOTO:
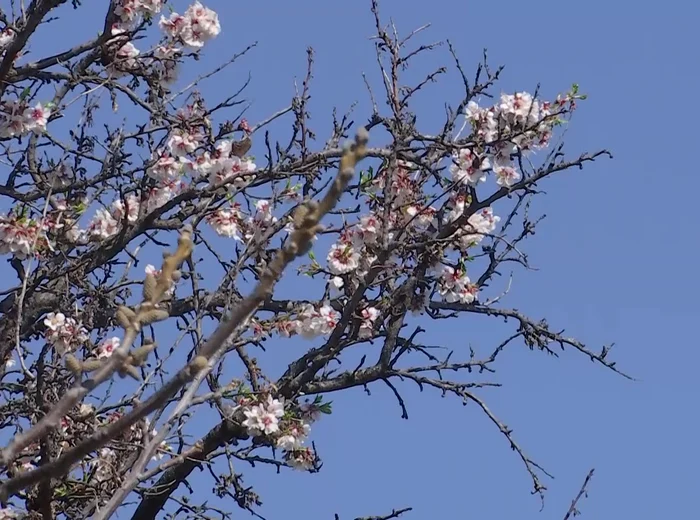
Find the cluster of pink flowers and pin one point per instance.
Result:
(166, 62)
(226, 222)
(260, 221)
(263, 418)
(287, 431)
(107, 347)
(107, 222)
(131, 12)
(454, 286)
(126, 58)
(158, 196)
(349, 254)
(19, 234)
(343, 258)
(369, 317)
(517, 123)
(198, 25)
(469, 168)
(18, 118)
(168, 166)
(293, 435)
(65, 334)
(223, 165)
(519, 120)
(311, 323)
(167, 170)
(7, 36)
(421, 218)
(181, 142)
(478, 225)
(301, 458)
(219, 166)
(403, 187)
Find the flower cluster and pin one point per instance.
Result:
(65, 334)
(369, 317)
(518, 122)
(311, 323)
(301, 458)
(107, 347)
(168, 166)
(7, 36)
(166, 61)
(350, 253)
(454, 286)
(131, 12)
(403, 186)
(343, 258)
(478, 225)
(226, 222)
(159, 195)
(469, 168)
(224, 166)
(18, 118)
(126, 58)
(263, 418)
(287, 431)
(198, 25)
(260, 221)
(18, 234)
(107, 222)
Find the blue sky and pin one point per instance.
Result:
(616, 255)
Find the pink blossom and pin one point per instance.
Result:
(342, 258)
(107, 347)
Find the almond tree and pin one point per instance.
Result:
(100, 398)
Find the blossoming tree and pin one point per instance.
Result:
(407, 229)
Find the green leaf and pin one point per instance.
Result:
(80, 208)
(25, 93)
(460, 265)
(312, 256)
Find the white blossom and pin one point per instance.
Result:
(343, 258)
(198, 25)
(469, 168)
(263, 418)
(107, 347)
(369, 316)
(454, 286)
(506, 175)
(311, 323)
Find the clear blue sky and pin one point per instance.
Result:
(617, 260)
